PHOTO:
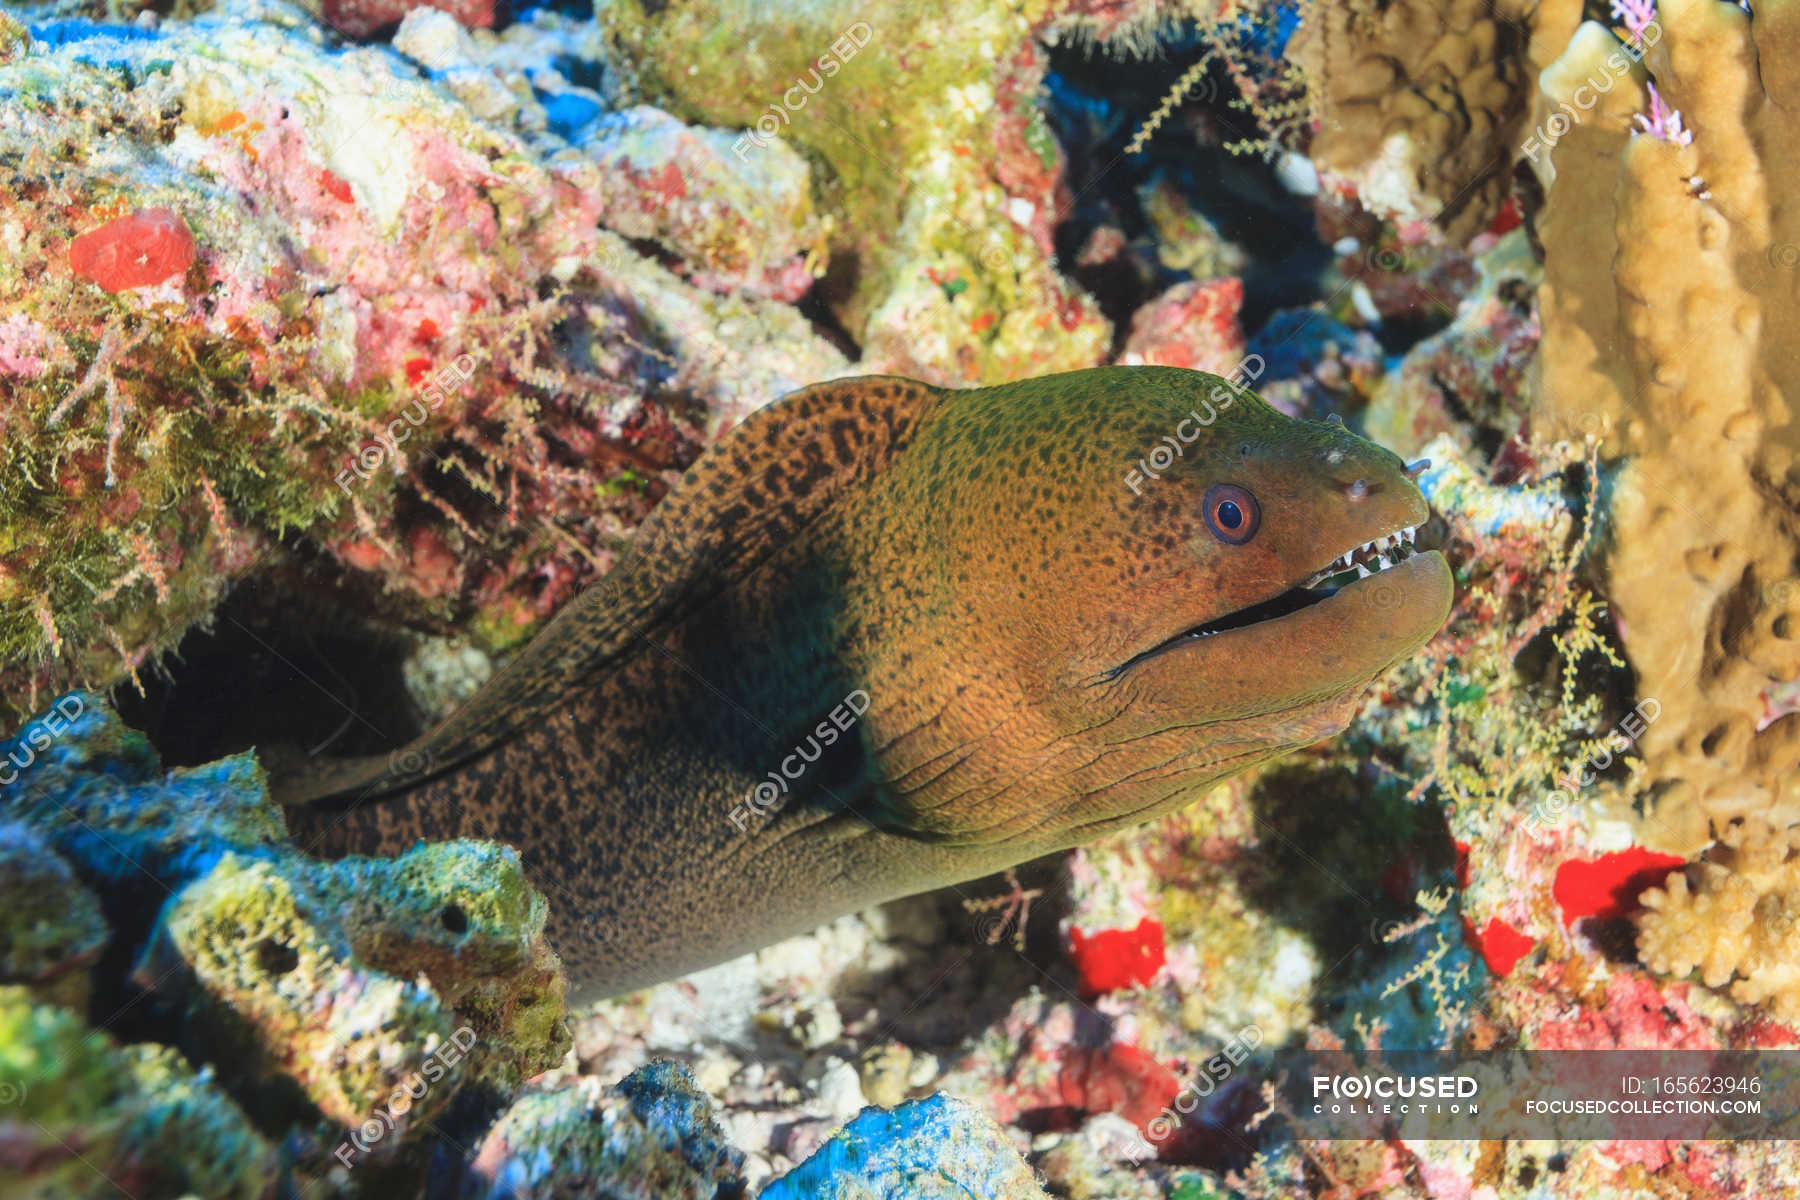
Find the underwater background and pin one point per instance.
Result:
(343, 342)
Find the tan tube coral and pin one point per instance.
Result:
(1670, 317)
(1414, 97)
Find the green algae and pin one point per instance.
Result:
(105, 573)
(463, 914)
(323, 993)
(84, 1118)
(755, 54)
(901, 132)
(261, 964)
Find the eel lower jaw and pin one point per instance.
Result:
(1373, 558)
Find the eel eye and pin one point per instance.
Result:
(1231, 513)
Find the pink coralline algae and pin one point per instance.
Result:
(1635, 1014)
(22, 347)
(133, 251)
(1193, 325)
(1117, 1078)
(360, 18)
(736, 218)
(315, 248)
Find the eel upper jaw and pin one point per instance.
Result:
(1357, 563)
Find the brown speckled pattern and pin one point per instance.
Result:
(976, 564)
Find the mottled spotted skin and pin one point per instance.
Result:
(975, 563)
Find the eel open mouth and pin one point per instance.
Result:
(1359, 562)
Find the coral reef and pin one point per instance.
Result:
(470, 386)
(745, 226)
(1467, 380)
(1192, 325)
(422, 325)
(928, 133)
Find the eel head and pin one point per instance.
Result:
(1111, 628)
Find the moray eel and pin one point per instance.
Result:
(886, 637)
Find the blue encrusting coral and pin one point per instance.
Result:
(938, 1148)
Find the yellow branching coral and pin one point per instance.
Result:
(1170, 102)
(1734, 916)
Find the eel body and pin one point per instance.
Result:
(886, 637)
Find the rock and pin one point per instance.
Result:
(738, 221)
(884, 1071)
(934, 1149)
(373, 988)
(51, 928)
(1185, 239)
(652, 1137)
(330, 262)
(83, 1118)
(271, 993)
(839, 1090)
(1085, 1165)
(946, 183)
(1191, 325)
(360, 18)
